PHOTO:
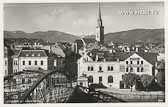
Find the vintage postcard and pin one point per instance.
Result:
(84, 52)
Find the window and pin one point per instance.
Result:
(131, 69)
(137, 62)
(131, 62)
(100, 79)
(91, 68)
(81, 83)
(141, 62)
(108, 68)
(126, 62)
(23, 63)
(142, 69)
(111, 68)
(29, 62)
(127, 69)
(137, 69)
(100, 68)
(35, 62)
(90, 79)
(23, 81)
(110, 79)
(41, 62)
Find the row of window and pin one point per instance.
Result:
(109, 68)
(30, 63)
(139, 69)
(131, 62)
(110, 79)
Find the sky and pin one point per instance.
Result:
(81, 18)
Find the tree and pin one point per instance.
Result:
(130, 79)
(147, 80)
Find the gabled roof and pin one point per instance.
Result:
(150, 57)
(32, 53)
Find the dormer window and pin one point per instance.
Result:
(27, 54)
(39, 54)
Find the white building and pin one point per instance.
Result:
(106, 68)
(30, 60)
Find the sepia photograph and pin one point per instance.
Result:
(84, 52)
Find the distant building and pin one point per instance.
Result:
(30, 60)
(108, 68)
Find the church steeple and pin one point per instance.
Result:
(99, 17)
(99, 27)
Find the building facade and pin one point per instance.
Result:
(109, 71)
(30, 60)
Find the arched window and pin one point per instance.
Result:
(35, 62)
(108, 68)
(90, 79)
(100, 68)
(110, 79)
(41, 62)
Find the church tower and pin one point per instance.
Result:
(100, 28)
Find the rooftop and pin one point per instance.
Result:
(32, 53)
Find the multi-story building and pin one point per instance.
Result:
(107, 68)
(30, 60)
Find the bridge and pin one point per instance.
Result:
(38, 86)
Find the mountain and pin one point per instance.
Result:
(145, 35)
(51, 36)
(135, 35)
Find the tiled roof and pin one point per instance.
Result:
(150, 57)
(32, 53)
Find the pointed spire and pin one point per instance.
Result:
(99, 12)
(99, 20)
